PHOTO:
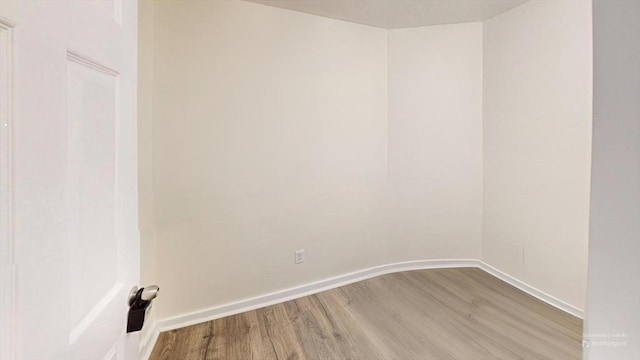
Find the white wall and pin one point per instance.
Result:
(537, 138)
(435, 142)
(365, 147)
(270, 135)
(268, 140)
(613, 304)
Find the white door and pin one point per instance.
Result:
(71, 238)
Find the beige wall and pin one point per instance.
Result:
(362, 146)
(269, 137)
(435, 142)
(537, 144)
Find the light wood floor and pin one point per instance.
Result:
(430, 314)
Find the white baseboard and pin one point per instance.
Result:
(257, 302)
(149, 341)
(541, 295)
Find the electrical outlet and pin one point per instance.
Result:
(299, 256)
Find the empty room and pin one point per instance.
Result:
(320, 179)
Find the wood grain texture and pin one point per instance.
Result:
(462, 313)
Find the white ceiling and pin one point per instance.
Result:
(394, 14)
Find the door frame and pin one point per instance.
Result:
(7, 267)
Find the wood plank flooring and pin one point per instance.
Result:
(430, 314)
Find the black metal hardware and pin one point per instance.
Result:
(139, 306)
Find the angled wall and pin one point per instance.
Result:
(269, 137)
(537, 145)
(435, 142)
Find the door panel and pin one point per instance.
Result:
(74, 187)
(91, 123)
